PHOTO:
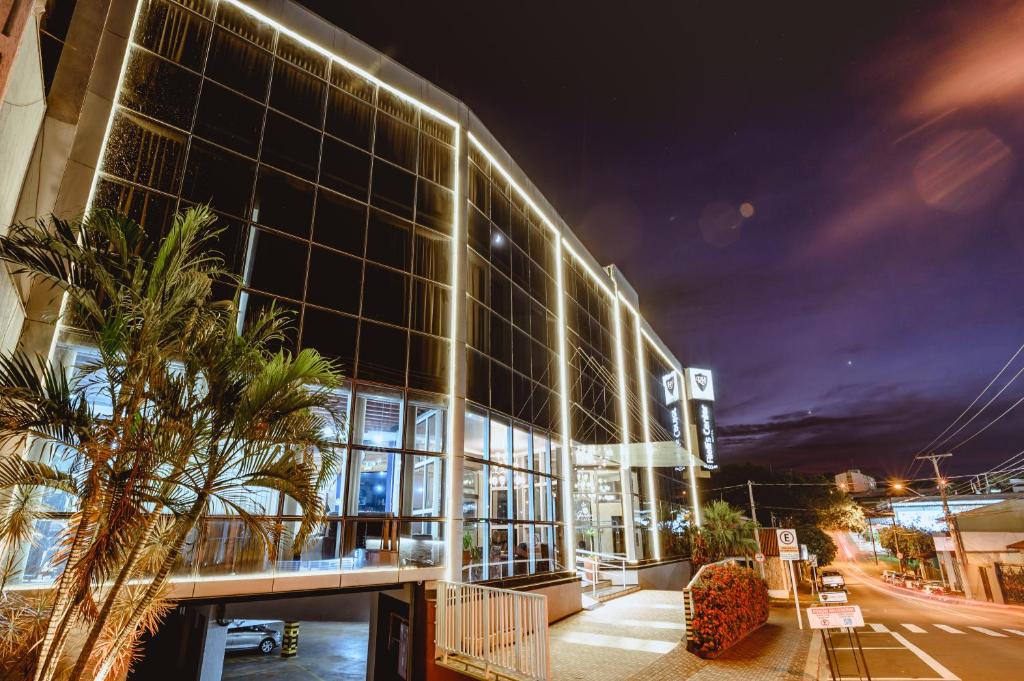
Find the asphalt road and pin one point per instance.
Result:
(912, 636)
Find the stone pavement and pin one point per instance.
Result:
(638, 638)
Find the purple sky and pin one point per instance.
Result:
(878, 284)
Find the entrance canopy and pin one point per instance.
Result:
(640, 455)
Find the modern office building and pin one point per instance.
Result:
(854, 482)
(508, 406)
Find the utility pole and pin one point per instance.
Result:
(960, 555)
(757, 528)
(871, 533)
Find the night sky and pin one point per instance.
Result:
(873, 283)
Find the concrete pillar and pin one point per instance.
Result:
(212, 665)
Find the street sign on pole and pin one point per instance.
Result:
(789, 549)
(899, 555)
(835, 616)
(759, 557)
(833, 597)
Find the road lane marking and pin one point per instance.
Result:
(926, 658)
(878, 628)
(988, 632)
(949, 629)
(1015, 631)
(914, 629)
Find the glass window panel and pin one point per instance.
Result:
(520, 268)
(339, 222)
(500, 211)
(297, 93)
(376, 482)
(429, 308)
(159, 89)
(335, 280)
(320, 552)
(501, 339)
(238, 64)
(520, 447)
(252, 305)
(332, 335)
(478, 189)
(290, 146)
(245, 25)
(541, 458)
(522, 396)
(382, 353)
(498, 555)
(519, 230)
(332, 491)
(393, 189)
(432, 256)
(394, 105)
(229, 119)
(389, 240)
(230, 547)
(283, 202)
(372, 544)
(218, 178)
(501, 387)
(151, 210)
(378, 418)
(351, 82)
(542, 499)
(173, 32)
(478, 377)
(500, 251)
(423, 492)
(41, 565)
(428, 362)
(396, 142)
(478, 278)
(387, 295)
(436, 127)
(546, 548)
(230, 244)
(476, 433)
(345, 169)
(275, 264)
(499, 482)
(479, 232)
(301, 55)
(349, 119)
(474, 550)
(499, 440)
(434, 206)
(435, 161)
(427, 425)
(501, 295)
(521, 352)
(523, 551)
(145, 152)
(421, 545)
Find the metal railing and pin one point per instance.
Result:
(590, 565)
(499, 631)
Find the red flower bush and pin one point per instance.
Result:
(728, 603)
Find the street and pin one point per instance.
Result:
(911, 636)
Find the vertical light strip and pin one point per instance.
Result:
(568, 483)
(689, 447)
(625, 465)
(457, 297)
(641, 368)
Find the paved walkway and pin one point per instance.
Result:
(638, 638)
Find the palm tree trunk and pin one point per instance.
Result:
(157, 583)
(108, 605)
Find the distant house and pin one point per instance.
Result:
(854, 482)
(993, 538)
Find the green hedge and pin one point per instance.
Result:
(728, 603)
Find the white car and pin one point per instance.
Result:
(831, 579)
(259, 635)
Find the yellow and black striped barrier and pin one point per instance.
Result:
(290, 640)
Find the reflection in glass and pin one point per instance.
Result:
(375, 482)
(421, 544)
(378, 418)
(499, 440)
(426, 427)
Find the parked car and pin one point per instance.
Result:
(910, 581)
(888, 576)
(830, 579)
(259, 635)
(934, 586)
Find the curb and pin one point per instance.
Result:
(812, 667)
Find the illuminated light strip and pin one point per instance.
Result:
(452, 359)
(341, 60)
(593, 275)
(672, 364)
(563, 379)
(689, 448)
(620, 362)
(641, 367)
(628, 305)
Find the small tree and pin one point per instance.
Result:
(912, 542)
(724, 532)
(841, 513)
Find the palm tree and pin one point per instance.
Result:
(724, 533)
(198, 410)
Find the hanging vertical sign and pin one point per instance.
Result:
(701, 388)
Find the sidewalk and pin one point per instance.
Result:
(639, 637)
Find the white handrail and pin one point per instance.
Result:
(589, 564)
(497, 630)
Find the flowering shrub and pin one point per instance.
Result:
(728, 603)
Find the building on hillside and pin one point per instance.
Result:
(511, 412)
(854, 482)
(993, 539)
(927, 514)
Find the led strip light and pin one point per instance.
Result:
(641, 368)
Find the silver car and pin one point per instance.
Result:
(260, 635)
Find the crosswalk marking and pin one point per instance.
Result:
(1015, 631)
(988, 632)
(914, 629)
(878, 628)
(949, 629)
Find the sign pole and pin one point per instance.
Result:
(796, 596)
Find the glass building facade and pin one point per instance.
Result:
(485, 354)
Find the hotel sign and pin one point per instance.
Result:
(701, 387)
(702, 384)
